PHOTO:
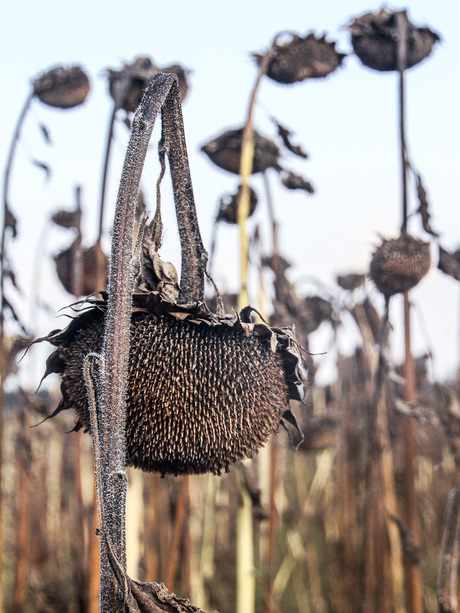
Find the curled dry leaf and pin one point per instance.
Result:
(225, 151)
(301, 58)
(293, 181)
(67, 219)
(351, 281)
(423, 207)
(449, 263)
(285, 135)
(398, 264)
(374, 37)
(61, 87)
(10, 221)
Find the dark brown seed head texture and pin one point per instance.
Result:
(374, 38)
(200, 397)
(225, 152)
(301, 58)
(61, 87)
(399, 264)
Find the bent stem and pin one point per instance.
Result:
(108, 393)
(6, 208)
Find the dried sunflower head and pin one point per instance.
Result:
(301, 58)
(77, 268)
(129, 82)
(228, 206)
(398, 264)
(225, 152)
(204, 391)
(62, 87)
(374, 38)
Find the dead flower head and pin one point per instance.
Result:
(62, 87)
(374, 38)
(204, 389)
(127, 85)
(228, 206)
(77, 268)
(398, 264)
(301, 58)
(225, 151)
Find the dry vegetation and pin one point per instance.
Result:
(351, 507)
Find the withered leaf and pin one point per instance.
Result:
(67, 219)
(6, 305)
(285, 134)
(351, 281)
(10, 221)
(449, 263)
(46, 134)
(423, 207)
(293, 181)
(146, 597)
(46, 169)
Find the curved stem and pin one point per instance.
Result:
(247, 157)
(105, 170)
(6, 185)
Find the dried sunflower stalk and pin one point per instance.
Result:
(204, 389)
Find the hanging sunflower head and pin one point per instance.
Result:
(61, 87)
(398, 264)
(127, 84)
(204, 389)
(301, 58)
(375, 39)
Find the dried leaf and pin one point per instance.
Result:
(423, 207)
(46, 134)
(351, 281)
(293, 181)
(449, 263)
(146, 597)
(10, 221)
(6, 305)
(46, 169)
(285, 136)
(67, 219)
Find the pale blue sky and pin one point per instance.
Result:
(347, 123)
